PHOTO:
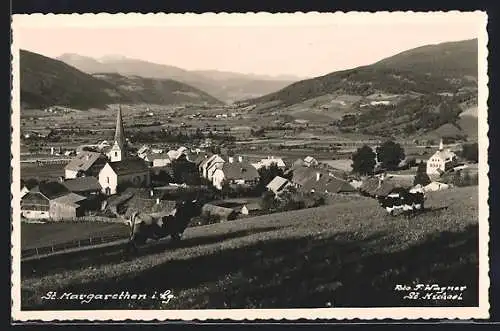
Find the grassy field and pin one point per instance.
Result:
(41, 235)
(350, 254)
(43, 172)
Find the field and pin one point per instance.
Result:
(349, 254)
(54, 233)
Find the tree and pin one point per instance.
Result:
(470, 152)
(363, 160)
(421, 177)
(267, 174)
(390, 154)
(267, 201)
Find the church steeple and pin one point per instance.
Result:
(117, 151)
(119, 131)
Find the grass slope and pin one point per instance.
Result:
(350, 254)
(418, 83)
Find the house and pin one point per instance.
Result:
(131, 172)
(381, 186)
(326, 183)
(158, 159)
(436, 186)
(310, 161)
(209, 165)
(266, 163)
(235, 173)
(278, 185)
(51, 200)
(250, 209)
(143, 151)
(441, 161)
(85, 186)
(85, 164)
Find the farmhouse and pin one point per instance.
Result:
(158, 159)
(131, 172)
(51, 200)
(266, 163)
(319, 180)
(143, 151)
(441, 161)
(209, 165)
(310, 161)
(239, 173)
(381, 186)
(85, 164)
(278, 185)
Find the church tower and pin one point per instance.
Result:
(116, 153)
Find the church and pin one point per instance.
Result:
(121, 170)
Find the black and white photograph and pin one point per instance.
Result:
(250, 166)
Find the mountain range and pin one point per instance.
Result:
(46, 82)
(225, 86)
(412, 93)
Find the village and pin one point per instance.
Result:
(102, 180)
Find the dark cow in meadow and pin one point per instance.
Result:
(150, 226)
(409, 201)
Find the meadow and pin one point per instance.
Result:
(347, 254)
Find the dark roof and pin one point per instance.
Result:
(327, 183)
(83, 161)
(82, 184)
(371, 186)
(302, 174)
(129, 166)
(51, 190)
(240, 170)
(70, 199)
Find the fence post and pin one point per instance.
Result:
(36, 251)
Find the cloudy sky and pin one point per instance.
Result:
(301, 46)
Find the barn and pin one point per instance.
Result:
(52, 200)
(67, 207)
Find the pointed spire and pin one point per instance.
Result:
(441, 145)
(119, 131)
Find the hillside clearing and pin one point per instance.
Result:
(351, 254)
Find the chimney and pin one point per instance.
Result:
(441, 146)
(151, 193)
(88, 157)
(157, 201)
(231, 159)
(240, 158)
(52, 151)
(318, 175)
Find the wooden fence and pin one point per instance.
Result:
(57, 248)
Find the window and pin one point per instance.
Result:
(116, 154)
(107, 180)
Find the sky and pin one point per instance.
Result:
(304, 47)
